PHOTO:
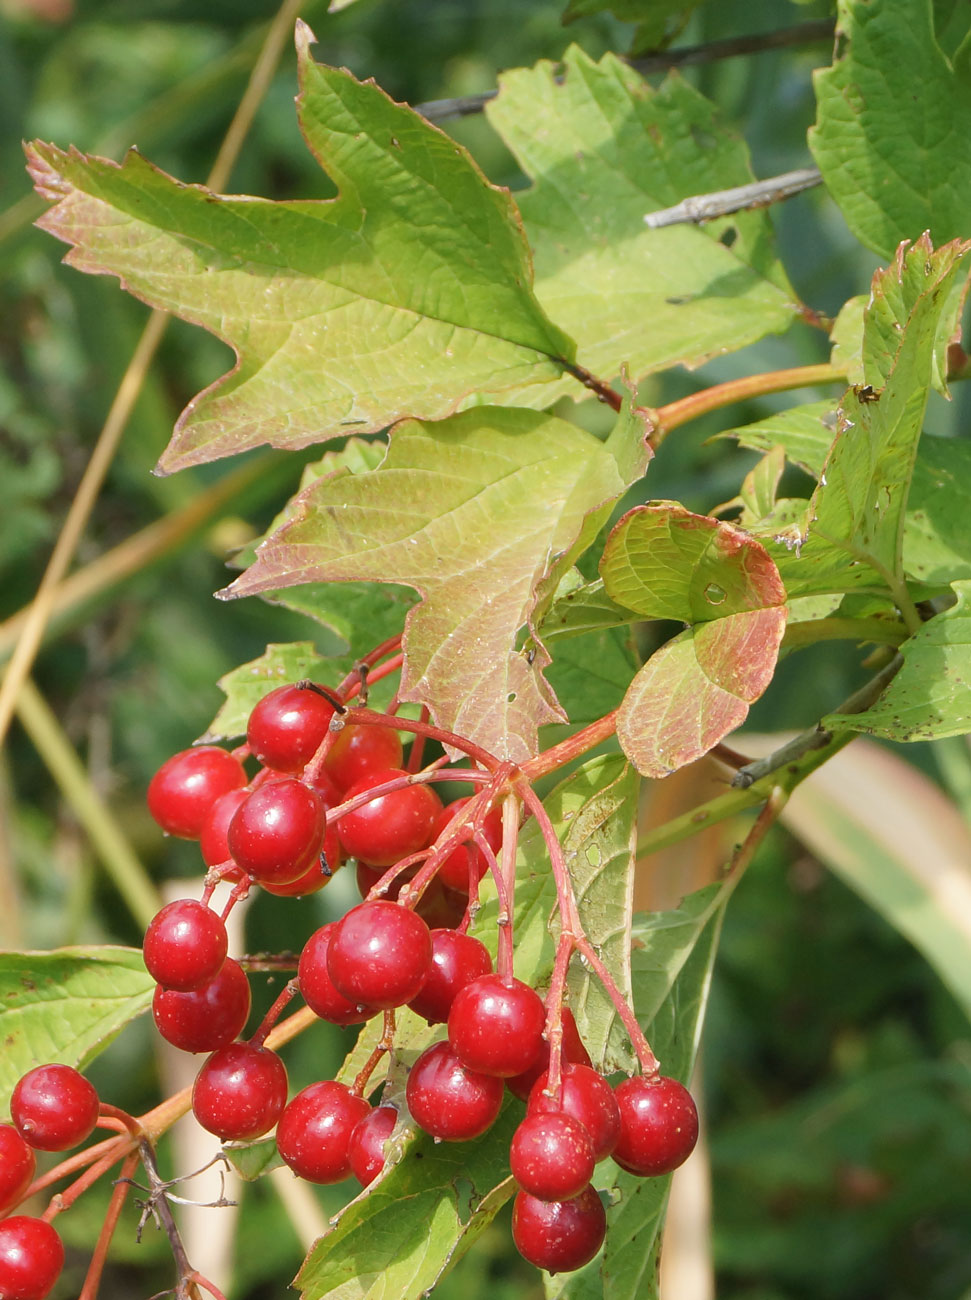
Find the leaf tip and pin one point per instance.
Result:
(303, 38)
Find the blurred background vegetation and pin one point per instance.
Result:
(836, 1066)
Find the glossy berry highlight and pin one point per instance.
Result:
(287, 726)
(206, 1018)
(379, 955)
(184, 789)
(496, 1026)
(658, 1125)
(390, 826)
(447, 1099)
(185, 945)
(18, 1165)
(240, 1092)
(560, 1236)
(31, 1258)
(54, 1108)
(314, 1132)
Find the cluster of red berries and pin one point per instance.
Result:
(273, 830)
(53, 1108)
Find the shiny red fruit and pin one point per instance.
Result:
(447, 1099)
(559, 1236)
(379, 955)
(17, 1167)
(392, 825)
(31, 1258)
(240, 1092)
(276, 835)
(287, 726)
(551, 1156)
(366, 1148)
(185, 945)
(314, 1132)
(588, 1097)
(457, 959)
(454, 871)
(358, 751)
(213, 841)
(53, 1108)
(317, 987)
(658, 1125)
(183, 790)
(207, 1018)
(496, 1027)
(572, 1052)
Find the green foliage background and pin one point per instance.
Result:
(836, 1066)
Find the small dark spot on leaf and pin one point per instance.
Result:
(395, 144)
(728, 237)
(511, 697)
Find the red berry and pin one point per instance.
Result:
(54, 1108)
(447, 1099)
(213, 841)
(317, 986)
(551, 1156)
(457, 959)
(588, 1097)
(31, 1258)
(287, 726)
(17, 1167)
(454, 871)
(496, 1027)
(185, 945)
(207, 1018)
(314, 1132)
(368, 876)
(240, 1092)
(183, 790)
(366, 1150)
(359, 751)
(559, 1236)
(572, 1052)
(278, 832)
(321, 870)
(658, 1125)
(392, 825)
(379, 954)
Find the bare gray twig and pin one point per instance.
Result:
(721, 203)
(438, 110)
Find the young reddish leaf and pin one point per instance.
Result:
(476, 513)
(345, 314)
(603, 148)
(662, 561)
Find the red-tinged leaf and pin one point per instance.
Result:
(479, 513)
(401, 296)
(662, 561)
(697, 688)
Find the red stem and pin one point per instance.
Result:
(572, 748)
(78, 1161)
(507, 872)
(61, 1201)
(368, 718)
(418, 744)
(92, 1279)
(285, 997)
(382, 1047)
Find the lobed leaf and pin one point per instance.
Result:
(66, 1005)
(603, 149)
(408, 291)
(893, 114)
(479, 513)
(662, 561)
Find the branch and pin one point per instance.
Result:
(438, 110)
(721, 203)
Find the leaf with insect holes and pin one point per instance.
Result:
(893, 115)
(66, 1005)
(662, 561)
(857, 513)
(478, 513)
(603, 147)
(408, 291)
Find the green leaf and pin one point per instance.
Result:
(245, 686)
(585, 608)
(66, 1005)
(857, 512)
(937, 540)
(396, 1240)
(893, 115)
(478, 513)
(671, 977)
(887, 830)
(399, 297)
(658, 21)
(591, 673)
(254, 1159)
(603, 149)
(805, 433)
(662, 561)
(595, 812)
(930, 696)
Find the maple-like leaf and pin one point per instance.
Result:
(405, 293)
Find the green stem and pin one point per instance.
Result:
(119, 859)
(739, 390)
